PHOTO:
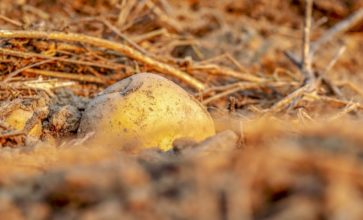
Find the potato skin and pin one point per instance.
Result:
(17, 120)
(145, 110)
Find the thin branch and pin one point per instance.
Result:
(67, 60)
(337, 29)
(41, 84)
(239, 87)
(11, 134)
(98, 42)
(288, 99)
(224, 71)
(78, 77)
(306, 59)
(334, 31)
(308, 53)
(348, 108)
(321, 76)
(334, 60)
(164, 18)
(146, 36)
(293, 59)
(16, 72)
(354, 87)
(305, 66)
(125, 9)
(11, 21)
(123, 36)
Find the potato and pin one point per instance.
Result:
(17, 120)
(145, 110)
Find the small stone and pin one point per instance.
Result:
(65, 119)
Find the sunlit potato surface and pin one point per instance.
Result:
(145, 110)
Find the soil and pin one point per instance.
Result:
(273, 157)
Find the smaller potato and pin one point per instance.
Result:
(17, 120)
(145, 110)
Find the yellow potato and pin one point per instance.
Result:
(145, 110)
(17, 120)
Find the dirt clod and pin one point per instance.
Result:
(65, 120)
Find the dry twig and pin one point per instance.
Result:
(80, 62)
(289, 99)
(11, 134)
(309, 51)
(334, 31)
(237, 87)
(306, 58)
(82, 78)
(349, 108)
(224, 71)
(98, 42)
(16, 72)
(305, 66)
(164, 18)
(337, 29)
(11, 21)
